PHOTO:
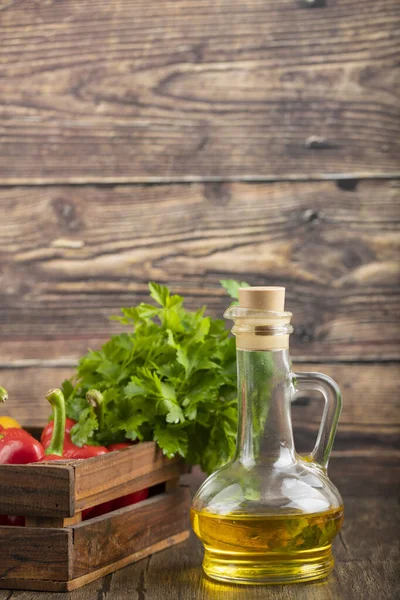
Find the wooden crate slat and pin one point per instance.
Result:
(46, 522)
(30, 553)
(73, 584)
(157, 547)
(169, 472)
(101, 541)
(37, 490)
(119, 473)
(58, 490)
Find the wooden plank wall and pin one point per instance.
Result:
(185, 142)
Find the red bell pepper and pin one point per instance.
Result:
(70, 450)
(18, 447)
(12, 521)
(97, 511)
(130, 499)
(47, 432)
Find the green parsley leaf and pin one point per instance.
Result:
(85, 428)
(232, 287)
(159, 293)
(171, 378)
(75, 405)
(171, 440)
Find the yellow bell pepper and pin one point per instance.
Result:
(7, 422)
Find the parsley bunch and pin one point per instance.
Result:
(171, 379)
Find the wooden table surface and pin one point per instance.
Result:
(366, 553)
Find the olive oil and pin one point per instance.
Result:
(278, 548)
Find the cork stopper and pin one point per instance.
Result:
(263, 298)
(261, 322)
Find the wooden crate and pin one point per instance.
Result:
(57, 551)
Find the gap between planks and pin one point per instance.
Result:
(181, 180)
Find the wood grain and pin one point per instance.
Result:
(108, 91)
(71, 257)
(138, 555)
(74, 584)
(102, 541)
(27, 393)
(41, 490)
(58, 522)
(29, 554)
(370, 516)
(120, 473)
(370, 416)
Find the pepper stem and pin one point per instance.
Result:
(57, 401)
(3, 395)
(95, 399)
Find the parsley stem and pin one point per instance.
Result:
(95, 399)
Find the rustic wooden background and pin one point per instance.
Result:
(187, 141)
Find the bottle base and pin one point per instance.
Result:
(268, 568)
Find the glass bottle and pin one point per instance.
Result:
(270, 515)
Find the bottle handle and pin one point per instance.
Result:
(330, 417)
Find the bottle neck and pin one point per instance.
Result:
(265, 432)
